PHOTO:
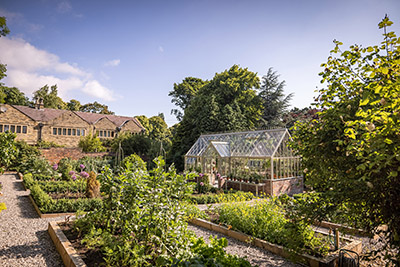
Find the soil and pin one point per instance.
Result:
(92, 257)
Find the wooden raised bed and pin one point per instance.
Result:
(329, 261)
(48, 215)
(68, 254)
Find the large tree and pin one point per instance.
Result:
(13, 96)
(50, 97)
(96, 107)
(183, 94)
(275, 101)
(228, 102)
(352, 152)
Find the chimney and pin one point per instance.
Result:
(39, 103)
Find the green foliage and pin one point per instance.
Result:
(274, 100)
(50, 97)
(94, 107)
(142, 221)
(91, 143)
(4, 30)
(47, 144)
(266, 219)
(213, 254)
(228, 196)
(351, 153)
(12, 96)
(95, 164)
(39, 167)
(65, 166)
(134, 163)
(8, 150)
(74, 105)
(183, 94)
(228, 102)
(48, 205)
(132, 144)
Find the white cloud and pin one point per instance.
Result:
(94, 88)
(30, 68)
(64, 7)
(161, 49)
(112, 63)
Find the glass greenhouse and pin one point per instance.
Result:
(250, 156)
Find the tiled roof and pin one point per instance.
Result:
(41, 115)
(48, 114)
(117, 120)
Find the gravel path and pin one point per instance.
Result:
(24, 240)
(255, 256)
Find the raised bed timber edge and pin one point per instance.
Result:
(43, 215)
(68, 254)
(48, 215)
(329, 261)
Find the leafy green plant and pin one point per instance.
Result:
(266, 219)
(142, 221)
(91, 143)
(229, 196)
(65, 166)
(8, 151)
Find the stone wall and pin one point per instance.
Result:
(14, 117)
(67, 120)
(55, 154)
(288, 186)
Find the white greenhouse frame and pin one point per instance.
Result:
(265, 154)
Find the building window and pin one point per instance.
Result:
(1, 128)
(64, 131)
(6, 128)
(54, 131)
(13, 128)
(112, 134)
(24, 129)
(83, 132)
(69, 131)
(73, 132)
(18, 129)
(78, 132)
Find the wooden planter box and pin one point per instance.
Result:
(48, 215)
(68, 254)
(329, 261)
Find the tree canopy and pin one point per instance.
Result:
(228, 102)
(50, 97)
(96, 107)
(351, 152)
(183, 94)
(274, 100)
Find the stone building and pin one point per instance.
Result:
(63, 127)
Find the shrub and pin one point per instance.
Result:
(38, 166)
(92, 186)
(91, 143)
(65, 166)
(134, 162)
(8, 151)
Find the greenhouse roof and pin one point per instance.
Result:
(262, 143)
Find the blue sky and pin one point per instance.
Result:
(128, 54)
